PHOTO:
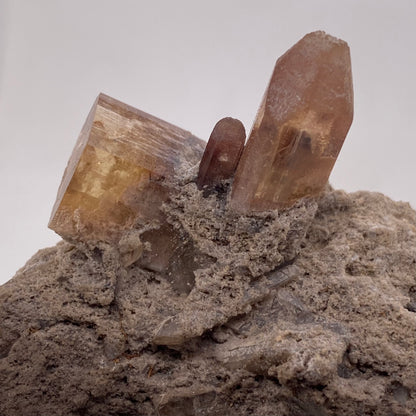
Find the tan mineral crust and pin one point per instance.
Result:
(337, 338)
(194, 283)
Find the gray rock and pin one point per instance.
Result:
(304, 312)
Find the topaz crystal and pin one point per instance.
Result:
(118, 174)
(300, 127)
(222, 153)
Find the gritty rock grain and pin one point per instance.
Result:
(78, 324)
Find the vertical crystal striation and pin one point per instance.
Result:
(222, 153)
(300, 127)
(115, 177)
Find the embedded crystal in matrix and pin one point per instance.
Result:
(116, 176)
(222, 153)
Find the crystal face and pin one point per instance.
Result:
(300, 127)
(222, 153)
(116, 176)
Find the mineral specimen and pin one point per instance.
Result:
(222, 153)
(116, 176)
(293, 312)
(300, 127)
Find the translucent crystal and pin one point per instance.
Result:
(222, 153)
(301, 125)
(116, 176)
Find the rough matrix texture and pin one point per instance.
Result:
(307, 312)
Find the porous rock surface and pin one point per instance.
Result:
(311, 311)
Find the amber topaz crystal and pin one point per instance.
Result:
(222, 152)
(116, 176)
(300, 127)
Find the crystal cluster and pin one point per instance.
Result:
(125, 161)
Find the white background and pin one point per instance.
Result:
(191, 63)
